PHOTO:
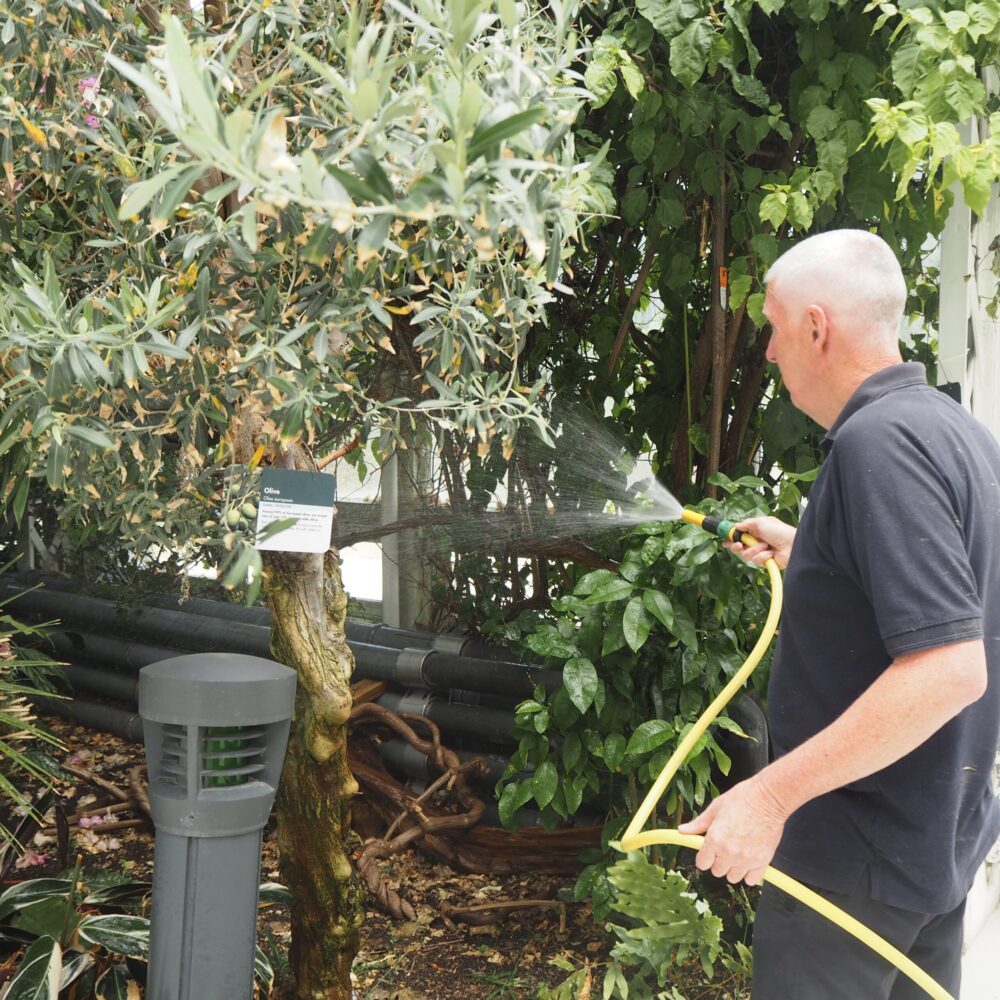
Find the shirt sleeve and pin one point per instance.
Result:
(905, 542)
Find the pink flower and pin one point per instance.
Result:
(93, 121)
(89, 89)
(29, 859)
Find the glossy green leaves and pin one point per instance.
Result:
(642, 650)
(581, 682)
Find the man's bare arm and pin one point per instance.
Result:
(912, 699)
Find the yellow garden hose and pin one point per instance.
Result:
(633, 838)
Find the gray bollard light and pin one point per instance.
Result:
(215, 726)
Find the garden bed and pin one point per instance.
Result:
(515, 953)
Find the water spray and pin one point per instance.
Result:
(634, 837)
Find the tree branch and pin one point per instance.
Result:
(339, 453)
(718, 400)
(633, 300)
(701, 366)
(746, 402)
(403, 524)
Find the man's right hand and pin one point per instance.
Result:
(774, 541)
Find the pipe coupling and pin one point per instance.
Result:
(449, 643)
(410, 667)
(414, 703)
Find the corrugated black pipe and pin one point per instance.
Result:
(482, 723)
(385, 635)
(748, 755)
(74, 645)
(429, 668)
(502, 687)
(210, 609)
(94, 680)
(375, 662)
(444, 671)
(492, 725)
(373, 634)
(150, 625)
(403, 759)
(178, 630)
(103, 718)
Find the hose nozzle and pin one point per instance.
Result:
(717, 526)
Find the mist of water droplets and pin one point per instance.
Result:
(584, 487)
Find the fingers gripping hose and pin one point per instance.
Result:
(634, 838)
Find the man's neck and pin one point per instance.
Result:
(849, 381)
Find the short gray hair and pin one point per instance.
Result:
(852, 271)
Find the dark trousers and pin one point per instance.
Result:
(800, 955)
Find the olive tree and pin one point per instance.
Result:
(240, 236)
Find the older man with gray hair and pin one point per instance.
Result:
(884, 701)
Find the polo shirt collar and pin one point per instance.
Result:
(874, 387)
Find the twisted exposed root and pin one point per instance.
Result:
(138, 789)
(413, 821)
(386, 898)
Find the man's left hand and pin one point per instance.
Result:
(742, 830)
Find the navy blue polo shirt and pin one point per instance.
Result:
(898, 551)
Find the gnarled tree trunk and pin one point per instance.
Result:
(308, 607)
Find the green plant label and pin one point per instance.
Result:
(296, 511)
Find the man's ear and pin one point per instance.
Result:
(818, 326)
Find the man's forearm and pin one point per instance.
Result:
(915, 696)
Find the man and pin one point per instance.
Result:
(884, 702)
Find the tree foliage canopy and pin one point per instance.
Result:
(303, 220)
(240, 237)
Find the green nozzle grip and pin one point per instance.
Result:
(729, 531)
(723, 528)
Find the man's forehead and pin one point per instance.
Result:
(771, 300)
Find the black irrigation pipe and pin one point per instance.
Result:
(403, 759)
(147, 625)
(483, 723)
(210, 609)
(103, 718)
(151, 627)
(87, 679)
(466, 681)
(372, 634)
(123, 654)
(491, 725)
(152, 632)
